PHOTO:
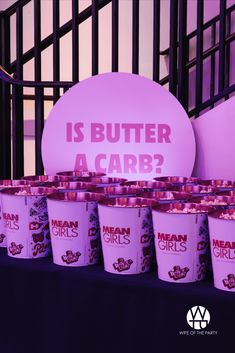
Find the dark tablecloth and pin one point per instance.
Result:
(51, 309)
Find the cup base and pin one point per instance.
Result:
(73, 264)
(125, 273)
(181, 281)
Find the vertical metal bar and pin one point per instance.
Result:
(135, 36)
(37, 39)
(173, 47)
(1, 98)
(222, 33)
(17, 133)
(39, 105)
(227, 65)
(156, 39)
(75, 41)
(183, 55)
(19, 43)
(199, 57)
(39, 125)
(115, 18)
(95, 37)
(5, 121)
(56, 47)
(212, 75)
(17, 103)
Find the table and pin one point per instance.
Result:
(46, 308)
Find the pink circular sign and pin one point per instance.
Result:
(121, 124)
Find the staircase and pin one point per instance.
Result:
(185, 71)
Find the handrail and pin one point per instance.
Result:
(63, 30)
(205, 54)
(6, 77)
(212, 100)
(204, 27)
(12, 9)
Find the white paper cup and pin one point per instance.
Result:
(223, 249)
(74, 228)
(26, 221)
(181, 242)
(126, 234)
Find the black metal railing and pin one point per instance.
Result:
(178, 80)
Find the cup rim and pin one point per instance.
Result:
(102, 179)
(116, 190)
(4, 183)
(40, 190)
(127, 202)
(163, 208)
(225, 198)
(177, 195)
(216, 183)
(79, 173)
(41, 178)
(178, 179)
(73, 184)
(75, 196)
(216, 214)
(191, 188)
(147, 184)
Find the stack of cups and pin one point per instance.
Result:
(26, 221)
(181, 241)
(74, 227)
(126, 234)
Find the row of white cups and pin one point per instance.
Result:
(80, 225)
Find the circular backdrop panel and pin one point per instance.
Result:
(121, 124)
